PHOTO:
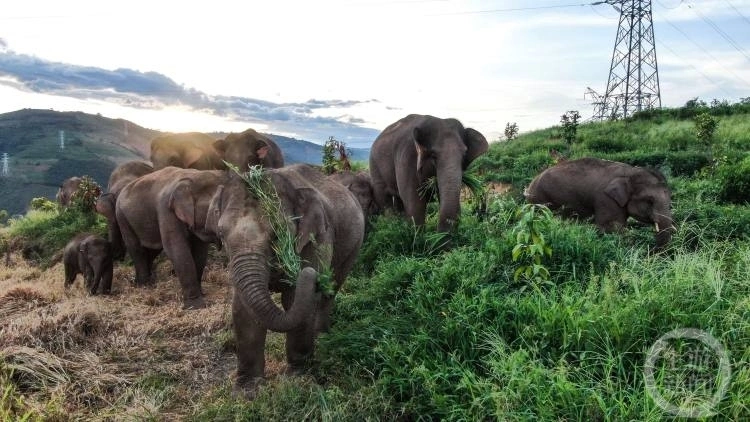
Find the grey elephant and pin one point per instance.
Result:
(185, 150)
(607, 190)
(412, 150)
(66, 190)
(249, 148)
(166, 209)
(360, 184)
(328, 228)
(91, 256)
(105, 204)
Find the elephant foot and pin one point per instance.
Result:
(195, 303)
(247, 388)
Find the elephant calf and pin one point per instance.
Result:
(91, 256)
(607, 190)
(360, 184)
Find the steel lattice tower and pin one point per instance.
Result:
(633, 83)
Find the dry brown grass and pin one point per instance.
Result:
(135, 354)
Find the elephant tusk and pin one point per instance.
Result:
(656, 226)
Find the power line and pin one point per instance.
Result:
(662, 44)
(704, 50)
(738, 12)
(514, 9)
(720, 31)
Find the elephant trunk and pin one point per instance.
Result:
(449, 189)
(664, 229)
(250, 274)
(115, 237)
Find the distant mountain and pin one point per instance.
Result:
(45, 147)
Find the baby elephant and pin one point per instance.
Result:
(91, 256)
(360, 184)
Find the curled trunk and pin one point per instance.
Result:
(251, 276)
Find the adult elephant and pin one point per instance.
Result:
(328, 228)
(607, 190)
(412, 150)
(105, 204)
(249, 148)
(66, 190)
(185, 150)
(166, 209)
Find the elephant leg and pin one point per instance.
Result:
(140, 255)
(609, 217)
(300, 342)
(106, 279)
(70, 275)
(178, 249)
(250, 337)
(95, 280)
(199, 250)
(88, 276)
(151, 255)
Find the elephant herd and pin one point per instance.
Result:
(187, 199)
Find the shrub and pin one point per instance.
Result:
(735, 182)
(686, 163)
(84, 198)
(617, 144)
(42, 204)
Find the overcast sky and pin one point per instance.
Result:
(314, 69)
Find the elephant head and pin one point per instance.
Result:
(238, 219)
(645, 196)
(185, 150)
(445, 149)
(67, 189)
(249, 148)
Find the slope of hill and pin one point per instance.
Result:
(93, 145)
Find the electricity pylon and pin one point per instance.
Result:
(633, 83)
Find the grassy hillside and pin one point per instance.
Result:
(427, 333)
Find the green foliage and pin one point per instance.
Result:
(332, 163)
(735, 182)
(569, 122)
(686, 163)
(531, 245)
(511, 131)
(705, 126)
(84, 198)
(43, 204)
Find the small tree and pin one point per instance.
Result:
(705, 126)
(84, 198)
(331, 163)
(569, 122)
(511, 131)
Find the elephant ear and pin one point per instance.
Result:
(192, 156)
(312, 223)
(619, 190)
(214, 211)
(262, 151)
(476, 145)
(420, 143)
(182, 203)
(220, 145)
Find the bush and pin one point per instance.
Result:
(686, 163)
(735, 182)
(42, 204)
(616, 144)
